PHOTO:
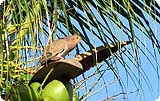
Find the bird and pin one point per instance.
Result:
(58, 49)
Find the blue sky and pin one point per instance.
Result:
(158, 98)
(112, 84)
(109, 85)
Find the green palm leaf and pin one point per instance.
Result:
(26, 26)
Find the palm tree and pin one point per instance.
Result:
(25, 27)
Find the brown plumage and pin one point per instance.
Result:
(58, 49)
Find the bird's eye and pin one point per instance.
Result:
(76, 37)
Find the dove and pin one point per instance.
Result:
(58, 49)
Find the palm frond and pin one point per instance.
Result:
(26, 27)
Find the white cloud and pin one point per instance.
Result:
(158, 99)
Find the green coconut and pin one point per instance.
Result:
(48, 98)
(35, 85)
(58, 90)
